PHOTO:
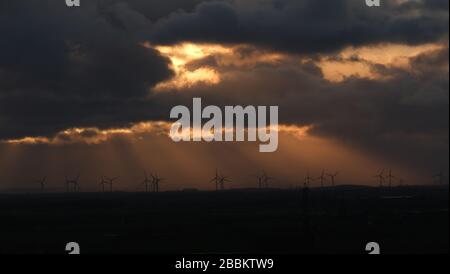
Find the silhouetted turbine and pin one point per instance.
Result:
(216, 180)
(103, 182)
(156, 181)
(380, 176)
(260, 180)
(333, 178)
(110, 182)
(222, 181)
(146, 181)
(440, 177)
(266, 179)
(322, 178)
(74, 182)
(390, 177)
(42, 183)
(308, 179)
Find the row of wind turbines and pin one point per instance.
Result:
(152, 181)
(72, 184)
(264, 179)
(388, 179)
(322, 178)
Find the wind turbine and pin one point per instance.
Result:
(333, 178)
(380, 176)
(74, 182)
(42, 183)
(440, 177)
(322, 178)
(146, 181)
(308, 179)
(260, 180)
(222, 181)
(390, 177)
(103, 182)
(156, 181)
(266, 179)
(216, 180)
(110, 182)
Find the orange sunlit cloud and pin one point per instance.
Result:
(352, 62)
(358, 62)
(183, 54)
(94, 136)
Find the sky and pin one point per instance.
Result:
(89, 90)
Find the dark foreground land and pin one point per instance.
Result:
(341, 220)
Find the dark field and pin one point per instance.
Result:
(341, 220)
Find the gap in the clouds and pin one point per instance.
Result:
(202, 63)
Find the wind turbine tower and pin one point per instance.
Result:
(390, 177)
(216, 180)
(74, 183)
(266, 179)
(110, 182)
(42, 183)
(103, 182)
(380, 176)
(308, 179)
(333, 178)
(260, 180)
(156, 181)
(440, 178)
(322, 178)
(222, 181)
(146, 181)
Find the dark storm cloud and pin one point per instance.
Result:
(439, 5)
(50, 47)
(310, 26)
(62, 67)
